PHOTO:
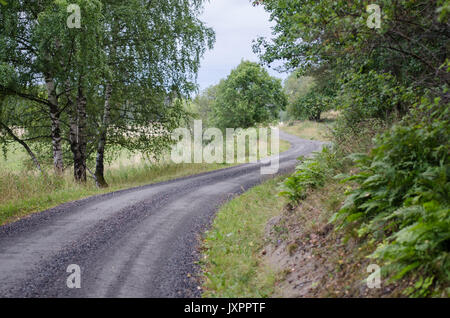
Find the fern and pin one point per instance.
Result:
(404, 192)
(311, 173)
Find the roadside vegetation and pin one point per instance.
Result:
(90, 110)
(378, 194)
(24, 190)
(390, 141)
(231, 262)
(312, 130)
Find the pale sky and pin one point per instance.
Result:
(236, 23)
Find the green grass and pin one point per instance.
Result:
(24, 191)
(15, 160)
(312, 130)
(231, 261)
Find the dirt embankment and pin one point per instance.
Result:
(315, 260)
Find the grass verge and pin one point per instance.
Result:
(312, 130)
(259, 246)
(231, 263)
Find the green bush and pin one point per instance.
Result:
(311, 173)
(402, 197)
(309, 106)
(372, 95)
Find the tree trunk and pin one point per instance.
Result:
(78, 137)
(56, 130)
(80, 165)
(99, 163)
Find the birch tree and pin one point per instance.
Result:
(107, 81)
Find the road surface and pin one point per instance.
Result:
(139, 242)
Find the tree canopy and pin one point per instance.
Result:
(115, 80)
(392, 80)
(247, 97)
(335, 34)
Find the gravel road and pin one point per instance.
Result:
(139, 242)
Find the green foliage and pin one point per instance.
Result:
(403, 195)
(443, 9)
(372, 95)
(202, 105)
(297, 86)
(24, 192)
(247, 97)
(115, 80)
(310, 106)
(311, 33)
(375, 73)
(311, 173)
(401, 190)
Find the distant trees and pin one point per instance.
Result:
(247, 97)
(114, 81)
(203, 104)
(309, 96)
(296, 86)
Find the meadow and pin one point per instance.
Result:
(23, 190)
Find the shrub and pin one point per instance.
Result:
(309, 106)
(309, 174)
(403, 197)
(371, 95)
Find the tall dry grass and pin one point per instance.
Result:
(24, 190)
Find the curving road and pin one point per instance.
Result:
(140, 242)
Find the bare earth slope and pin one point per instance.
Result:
(139, 242)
